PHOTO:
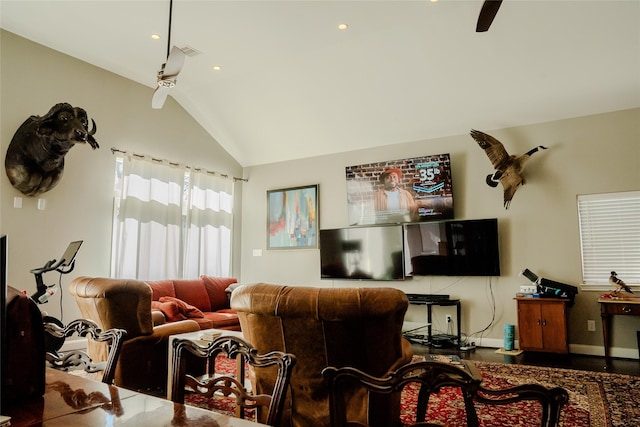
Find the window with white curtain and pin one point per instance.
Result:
(610, 237)
(170, 221)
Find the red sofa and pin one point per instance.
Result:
(205, 300)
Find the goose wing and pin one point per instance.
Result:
(492, 147)
(510, 182)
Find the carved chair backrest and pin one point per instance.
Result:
(430, 376)
(269, 406)
(79, 358)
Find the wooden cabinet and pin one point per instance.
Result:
(542, 324)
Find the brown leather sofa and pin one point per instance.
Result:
(358, 327)
(126, 304)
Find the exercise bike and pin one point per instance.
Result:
(64, 265)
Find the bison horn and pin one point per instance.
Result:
(95, 128)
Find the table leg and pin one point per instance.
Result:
(458, 343)
(606, 323)
(428, 324)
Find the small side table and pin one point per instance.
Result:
(612, 307)
(454, 339)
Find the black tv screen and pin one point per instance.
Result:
(362, 253)
(452, 248)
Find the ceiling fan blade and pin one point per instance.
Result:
(159, 96)
(174, 63)
(487, 13)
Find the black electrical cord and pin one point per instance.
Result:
(493, 315)
(60, 289)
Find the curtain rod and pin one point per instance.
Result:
(116, 150)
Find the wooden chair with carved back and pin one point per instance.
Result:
(551, 399)
(431, 376)
(268, 400)
(56, 334)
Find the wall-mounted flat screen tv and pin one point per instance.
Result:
(398, 191)
(362, 253)
(452, 248)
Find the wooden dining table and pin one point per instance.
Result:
(73, 400)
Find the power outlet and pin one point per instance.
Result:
(448, 317)
(591, 325)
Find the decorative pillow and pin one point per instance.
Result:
(170, 310)
(185, 309)
(192, 292)
(161, 288)
(216, 287)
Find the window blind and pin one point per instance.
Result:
(610, 237)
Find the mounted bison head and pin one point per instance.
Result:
(35, 157)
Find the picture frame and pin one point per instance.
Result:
(292, 218)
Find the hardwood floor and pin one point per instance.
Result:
(568, 361)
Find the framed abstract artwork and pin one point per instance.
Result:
(292, 218)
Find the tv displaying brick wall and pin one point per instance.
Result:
(399, 191)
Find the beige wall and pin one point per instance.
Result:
(539, 231)
(588, 155)
(33, 79)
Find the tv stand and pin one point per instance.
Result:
(439, 340)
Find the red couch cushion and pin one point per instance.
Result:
(162, 288)
(186, 309)
(170, 310)
(193, 292)
(216, 290)
(225, 319)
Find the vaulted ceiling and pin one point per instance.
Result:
(292, 85)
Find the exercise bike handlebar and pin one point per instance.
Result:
(53, 265)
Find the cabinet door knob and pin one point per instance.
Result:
(626, 309)
(544, 323)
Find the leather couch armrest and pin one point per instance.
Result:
(143, 359)
(158, 318)
(173, 328)
(162, 332)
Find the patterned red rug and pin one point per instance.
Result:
(595, 399)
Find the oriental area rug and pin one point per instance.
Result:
(595, 399)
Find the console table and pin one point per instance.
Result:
(611, 307)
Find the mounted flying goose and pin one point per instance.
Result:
(508, 167)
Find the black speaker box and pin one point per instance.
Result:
(552, 289)
(24, 374)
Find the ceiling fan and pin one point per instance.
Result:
(487, 13)
(170, 69)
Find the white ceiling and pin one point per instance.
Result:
(293, 86)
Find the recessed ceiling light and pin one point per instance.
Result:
(155, 36)
(217, 68)
(343, 26)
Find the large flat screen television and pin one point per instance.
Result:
(452, 248)
(362, 253)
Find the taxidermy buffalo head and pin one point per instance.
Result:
(35, 157)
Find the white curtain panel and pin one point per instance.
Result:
(170, 222)
(209, 224)
(147, 228)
